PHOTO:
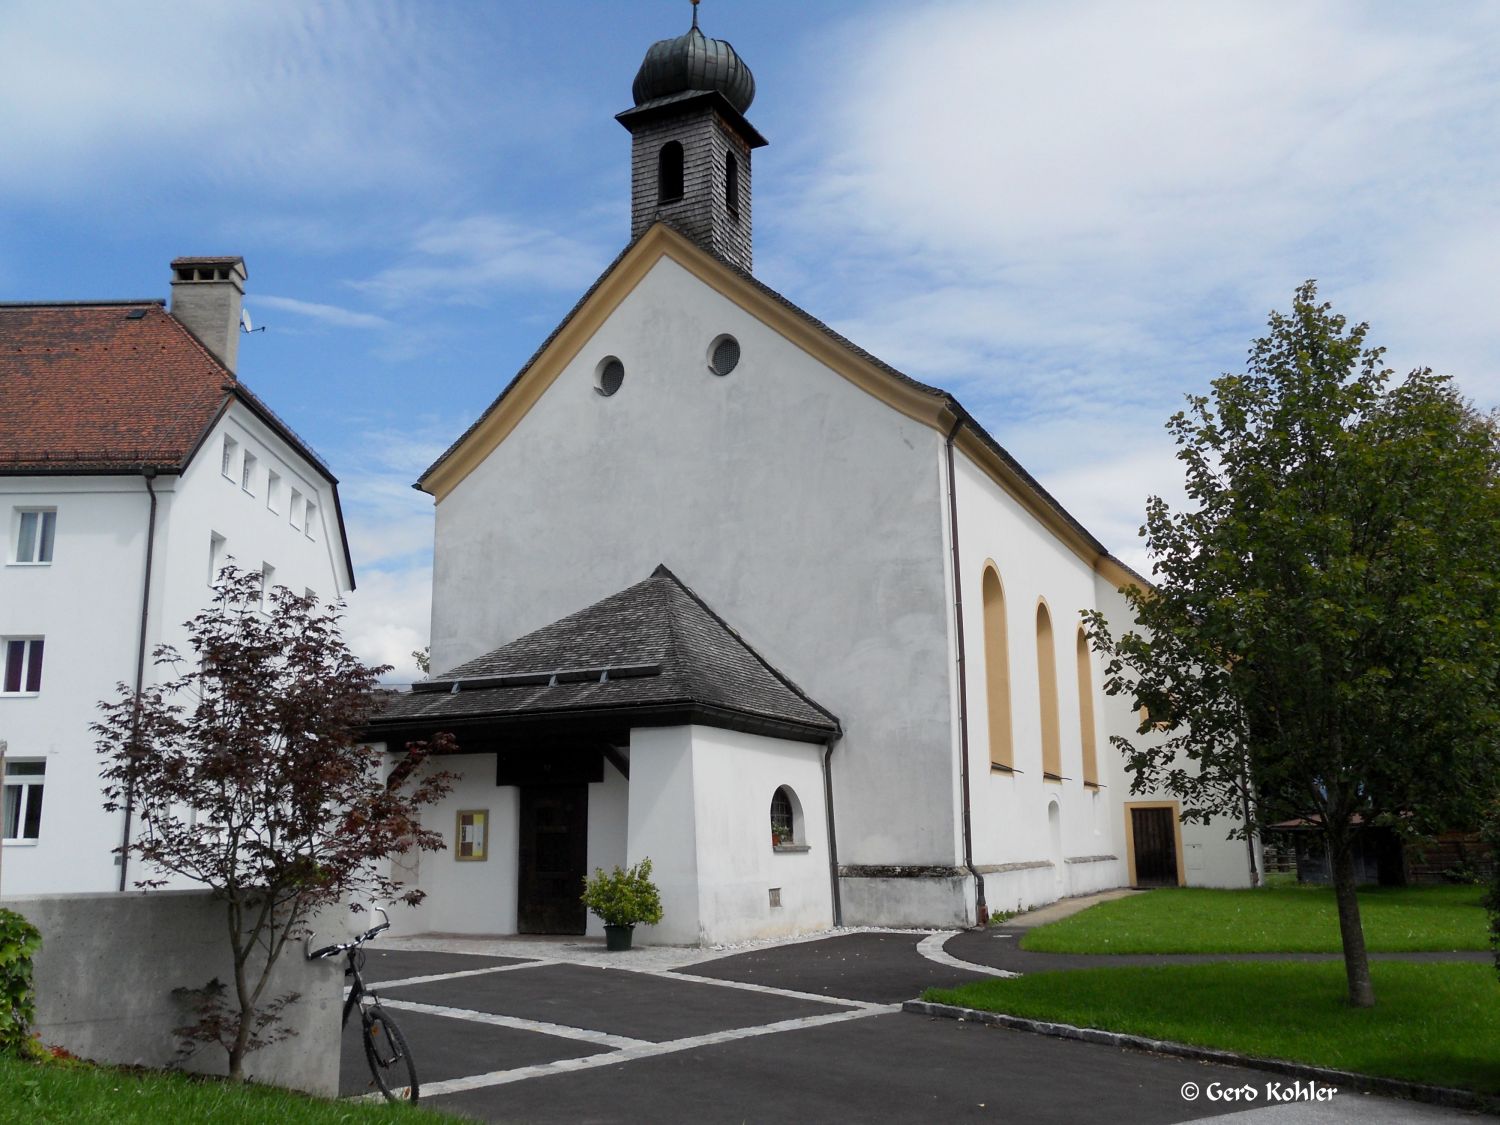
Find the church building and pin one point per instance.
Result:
(715, 586)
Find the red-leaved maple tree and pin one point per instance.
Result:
(244, 772)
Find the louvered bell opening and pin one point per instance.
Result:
(611, 375)
(725, 356)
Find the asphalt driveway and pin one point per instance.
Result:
(805, 1032)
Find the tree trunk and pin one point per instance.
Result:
(1356, 959)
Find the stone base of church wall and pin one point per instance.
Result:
(937, 897)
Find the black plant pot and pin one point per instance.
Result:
(617, 938)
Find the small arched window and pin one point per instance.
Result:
(732, 183)
(1046, 678)
(669, 172)
(786, 817)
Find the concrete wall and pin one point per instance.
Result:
(804, 511)
(108, 965)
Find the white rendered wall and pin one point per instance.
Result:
(1013, 838)
(609, 808)
(87, 604)
(466, 896)
(734, 777)
(804, 511)
(663, 829)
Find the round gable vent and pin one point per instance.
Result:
(609, 375)
(724, 356)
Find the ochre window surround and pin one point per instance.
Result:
(997, 670)
(1046, 681)
(1086, 711)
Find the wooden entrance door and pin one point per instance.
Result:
(554, 841)
(1155, 847)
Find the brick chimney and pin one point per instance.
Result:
(207, 297)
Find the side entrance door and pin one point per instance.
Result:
(1155, 847)
(554, 841)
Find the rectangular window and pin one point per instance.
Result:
(216, 556)
(247, 475)
(273, 490)
(310, 519)
(296, 509)
(22, 812)
(230, 446)
(35, 530)
(23, 665)
(267, 578)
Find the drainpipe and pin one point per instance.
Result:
(833, 842)
(981, 911)
(140, 677)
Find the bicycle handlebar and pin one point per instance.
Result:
(331, 950)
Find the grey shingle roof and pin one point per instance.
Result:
(654, 647)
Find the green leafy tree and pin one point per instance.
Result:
(246, 770)
(1321, 639)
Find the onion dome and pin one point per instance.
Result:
(692, 63)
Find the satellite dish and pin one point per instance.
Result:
(245, 321)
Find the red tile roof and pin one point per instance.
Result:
(103, 386)
(116, 386)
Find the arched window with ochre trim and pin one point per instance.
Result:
(1046, 681)
(669, 172)
(1086, 710)
(997, 670)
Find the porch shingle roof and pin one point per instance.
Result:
(653, 647)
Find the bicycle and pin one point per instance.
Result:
(385, 1046)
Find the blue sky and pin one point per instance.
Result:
(1070, 214)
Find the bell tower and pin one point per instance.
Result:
(690, 143)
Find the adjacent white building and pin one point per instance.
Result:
(133, 465)
(855, 531)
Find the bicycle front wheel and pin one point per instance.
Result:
(389, 1058)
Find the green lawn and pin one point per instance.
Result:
(1269, 920)
(38, 1093)
(1432, 1023)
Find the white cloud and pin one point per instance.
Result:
(466, 260)
(389, 617)
(321, 98)
(1072, 214)
(327, 314)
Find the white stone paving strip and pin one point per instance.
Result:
(932, 949)
(377, 985)
(642, 1051)
(562, 1031)
(770, 989)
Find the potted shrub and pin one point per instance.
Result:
(621, 899)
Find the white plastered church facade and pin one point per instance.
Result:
(716, 587)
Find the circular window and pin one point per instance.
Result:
(609, 375)
(724, 356)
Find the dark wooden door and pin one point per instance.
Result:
(1155, 847)
(554, 842)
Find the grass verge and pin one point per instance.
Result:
(67, 1094)
(1269, 920)
(1432, 1023)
